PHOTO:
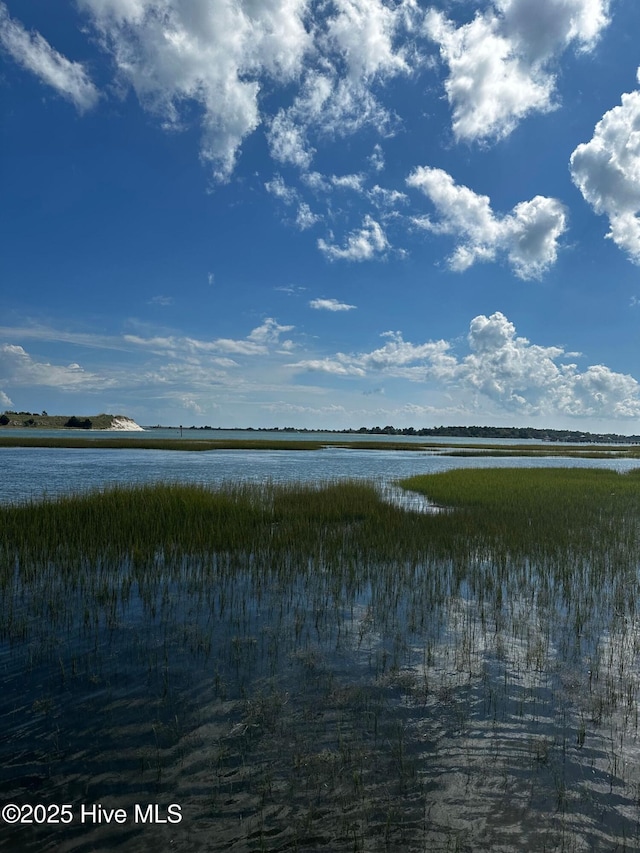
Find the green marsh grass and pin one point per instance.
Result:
(308, 667)
(450, 448)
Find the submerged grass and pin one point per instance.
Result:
(308, 667)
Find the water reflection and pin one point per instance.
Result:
(419, 705)
(403, 714)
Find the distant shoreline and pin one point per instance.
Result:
(32, 421)
(487, 433)
(122, 423)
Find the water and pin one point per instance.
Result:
(289, 711)
(34, 472)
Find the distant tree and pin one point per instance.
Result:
(76, 423)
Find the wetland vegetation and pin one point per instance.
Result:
(124, 441)
(308, 667)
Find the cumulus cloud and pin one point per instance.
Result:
(500, 63)
(216, 60)
(506, 371)
(357, 45)
(396, 357)
(330, 305)
(606, 170)
(528, 235)
(362, 245)
(213, 55)
(34, 53)
(526, 377)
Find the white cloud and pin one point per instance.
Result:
(257, 342)
(386, 200)
(348, 182)
(396, 357)
(5, 400)
(362, 245)
(377, 158)
(606, 170)
(329, 106)
(277, 187)
(176, 52)
(163, 301)
(503, 372)
(268, 332)
(18, 368)
(287, 137)
(363, 32)
(500, 62)
(528, 236)
(330, 305)
(220, 57)
(356, 45)
(34, 53)
(525, 377)
(192, 405)
(305, 217)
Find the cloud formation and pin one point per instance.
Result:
(219, 58)
(305, 217)
(18, 368)
(500, 63)
(606, 170)
(502, 369)
(259, 341)
(362, 244)
(528, 235)
(330, 305)
(34, 53)
(356, 45)
(176, 53)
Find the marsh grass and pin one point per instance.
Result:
(450, 448)
(308, 667)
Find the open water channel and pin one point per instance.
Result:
(34, 472)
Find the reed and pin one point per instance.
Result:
(310, 667)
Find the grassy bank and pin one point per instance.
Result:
(35, 421)
(148, 442)
(516, 511)
(312, 669)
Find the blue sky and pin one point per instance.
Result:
(322, 214)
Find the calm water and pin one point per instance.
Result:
(33, 472)
(285, 712)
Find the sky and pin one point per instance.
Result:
(322, 213)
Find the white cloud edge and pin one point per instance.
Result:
(33, 52)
